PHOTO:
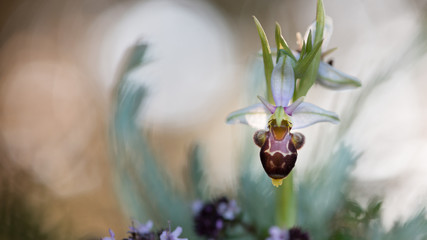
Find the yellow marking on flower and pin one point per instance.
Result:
(279, 133)
(277, 182)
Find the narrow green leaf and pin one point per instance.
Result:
(277, 34)
(303, 50)
(196, 172)
(280, 41)
(355, 209)
(282, 52)
(135, 57)
(320, 21)
(329, 51)
(309, 76)
(309, 44)
(266, 54)
(304, 62)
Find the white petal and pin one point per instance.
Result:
(307, 114)
(327, 32)
(332, 78)
(255, 116)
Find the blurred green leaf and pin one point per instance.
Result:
(196, 168)
(320, 193)
(143, 185)
(414, 228)
(256, 195)
(354, 209)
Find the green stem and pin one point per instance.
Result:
(286, 203)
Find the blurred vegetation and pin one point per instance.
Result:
(21, 218)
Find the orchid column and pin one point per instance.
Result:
(289, 79)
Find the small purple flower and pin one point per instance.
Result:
(228, 209)
(168, 235)
(278, 234)
(140, 228)
(211, 218)
(112, 235)
(294, 233)
(208, 222)
(197, 206)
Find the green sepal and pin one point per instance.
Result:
(304, 62)
(308, 77)
(281, 43)
(266, 55)
(309, 44)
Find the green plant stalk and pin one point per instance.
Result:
(285, 197)
(286, 204)
(309, 77)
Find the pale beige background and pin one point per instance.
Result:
(59, 59)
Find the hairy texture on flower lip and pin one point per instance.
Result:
(278, 156)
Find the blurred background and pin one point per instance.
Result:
(59, 62)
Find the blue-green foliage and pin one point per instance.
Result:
(415, 228)
(320, 193)
(142, 184)
(323, 206)
(256, 195)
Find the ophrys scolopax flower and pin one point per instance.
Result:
(275, 121)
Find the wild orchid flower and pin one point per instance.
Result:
(278, 145)
(327, 75)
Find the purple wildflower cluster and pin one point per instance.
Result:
(212, 218)
(140, 231)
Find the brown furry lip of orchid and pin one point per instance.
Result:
(276, 121)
